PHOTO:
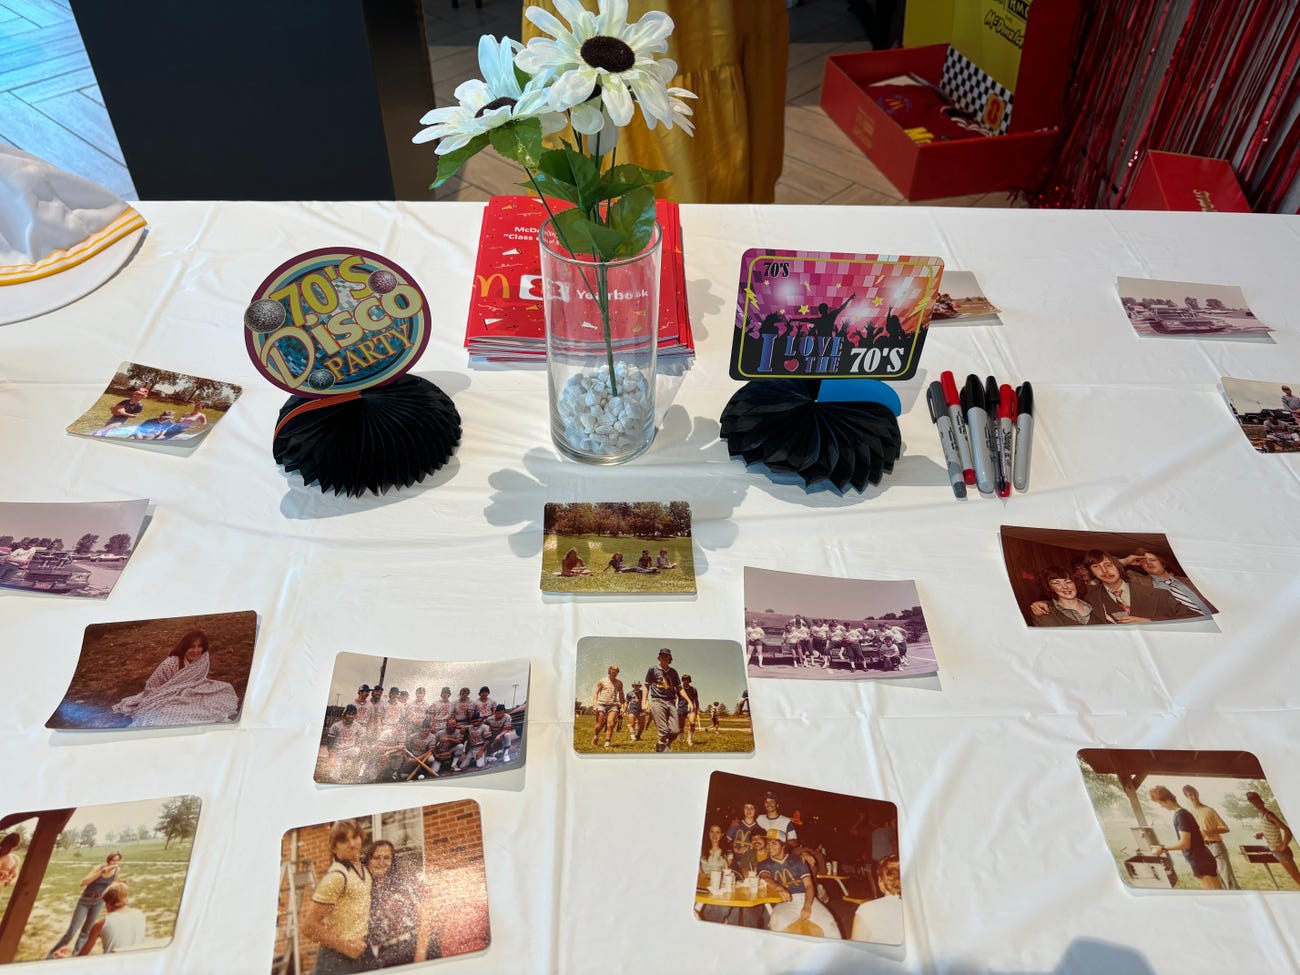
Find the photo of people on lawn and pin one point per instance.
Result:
(1076, 578)
(74, 548)
(93, 880)
(780, 857)
(1190, 820)
(827, 628)
(162, 673)
(382, 890)
(150, 406)
(395, 720)
(639, 695)
(618, 547)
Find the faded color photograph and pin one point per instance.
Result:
(644, 695)
(93, 880)
(618, 547)
(67, 549)
(1190, 820)
(185, 670)
(147, 405)
(382, 890)
(780, 857)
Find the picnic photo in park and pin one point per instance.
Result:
(160, 673)
(1077, 578)
(381, 890)
(93, 880)
(1190, 820)
(618, 547)
(780, 857)
(150, 406)
(67, 548)
(639, 695)
(827, 628)
(395, 720)
(1268, 413)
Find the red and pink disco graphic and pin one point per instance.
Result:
(828, 315)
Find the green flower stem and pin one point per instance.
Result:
(602, 295)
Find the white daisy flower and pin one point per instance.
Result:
(601, 55)
(491, 103)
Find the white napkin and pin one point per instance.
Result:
(61, 236)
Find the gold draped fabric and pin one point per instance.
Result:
(733, 54)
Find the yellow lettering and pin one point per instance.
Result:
(368, 321)
(271, 356)
(335, 366)
(353, 361)
(350, 269)
(344, 328)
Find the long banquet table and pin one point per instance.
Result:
(591, 862)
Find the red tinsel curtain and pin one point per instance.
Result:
(1202, 77)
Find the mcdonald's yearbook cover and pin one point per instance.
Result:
(506, 321)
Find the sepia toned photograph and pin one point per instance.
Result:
(150, 406)
(93, 880)
(1171, 308)
(1190, 820)
(163, 673)
(1268, 413)
(395, 720)
(827, 628)
(780, 857)
(642, 695)
(69, 548)
(618, 547)
(382, 890)
(1077, 578)
(961, 302)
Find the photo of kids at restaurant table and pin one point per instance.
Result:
(780, 857)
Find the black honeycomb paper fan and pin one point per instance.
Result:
(387, 436)
(780, 423)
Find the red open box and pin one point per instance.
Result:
(952, 168)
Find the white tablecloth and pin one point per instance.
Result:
(590, 862)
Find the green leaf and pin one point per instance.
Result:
(622, 179)
(520, 141)
(550, 186)
(522, 76)
(584, 236)
(450, 164)
(633, 216)
(586, 177)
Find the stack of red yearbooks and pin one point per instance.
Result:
(506, 320)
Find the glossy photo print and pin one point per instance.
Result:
(147, 406)
(647, 695)
(961, 301)
(1174, 308)
(382, 890)
(780, 857)
(1268, 413)
(1076, 578)
(639, 547)
(69, 548)
(1190, 820)
(162, 673)
(828, 628)
(395, 720)
(93, 880)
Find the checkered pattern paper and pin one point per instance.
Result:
(973, 90)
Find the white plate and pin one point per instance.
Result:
(31, 298)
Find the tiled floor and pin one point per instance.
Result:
(51, 106)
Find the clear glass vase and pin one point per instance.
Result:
(601, 344)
